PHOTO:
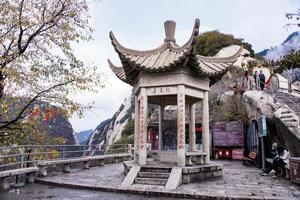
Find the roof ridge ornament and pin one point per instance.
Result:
(170, 26)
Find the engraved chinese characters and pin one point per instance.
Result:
(160, 90)
(142, 135)
(181, 123)
(142, 123)
(154, 91)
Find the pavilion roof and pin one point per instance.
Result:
(167, 56)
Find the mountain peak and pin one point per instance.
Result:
(291, 37)
(290, 43)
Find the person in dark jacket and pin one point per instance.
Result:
(262, 80)
(279, 155)
(255, 76)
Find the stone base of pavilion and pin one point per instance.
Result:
(181, 175)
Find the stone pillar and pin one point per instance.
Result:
(205, 127)
(143, 127)
(299, 116)
(192, 132)
(160, 120)
(136, 127)
(181, 125)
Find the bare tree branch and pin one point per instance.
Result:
(20, 114)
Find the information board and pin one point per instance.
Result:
(262, 126)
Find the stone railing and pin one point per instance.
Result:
(23, 162)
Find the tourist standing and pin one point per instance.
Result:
(255, 80)
(246, 75)
(245, 82)
(262, 80)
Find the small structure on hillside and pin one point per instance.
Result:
(171, 75)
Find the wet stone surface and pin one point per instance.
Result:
(238, 181)
(45, 192)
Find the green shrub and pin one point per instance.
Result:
(129, 128)
(119, 145)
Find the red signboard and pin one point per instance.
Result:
(227, 134)
(295, 169)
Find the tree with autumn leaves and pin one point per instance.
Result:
(37, 61)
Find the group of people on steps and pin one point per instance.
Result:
(259, 79)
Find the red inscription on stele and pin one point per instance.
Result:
(180, 122)
(142, 126)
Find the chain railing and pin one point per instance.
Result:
(28, 155)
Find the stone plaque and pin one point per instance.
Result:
(157, 91)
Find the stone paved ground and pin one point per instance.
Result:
(45, 192)
(237, 182)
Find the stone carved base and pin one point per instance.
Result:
(66, 168)
(200, 173)
(4, 183)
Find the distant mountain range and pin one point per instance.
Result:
(292, 42)
(83, 136)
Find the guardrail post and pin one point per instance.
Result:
(22, 159)
(63, 153)
(129, 148)
(20, 177)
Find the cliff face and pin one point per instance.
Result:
(109, 131)
(56, 124)
(43, 118)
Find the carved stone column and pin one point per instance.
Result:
(136, 127)
(143, 127)
(192, 132)
(161, 117)
(181, 125)
(205, 127)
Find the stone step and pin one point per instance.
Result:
(291, 124)
(153, 175)
(156, 169)
(286, 116)
(151, 181)
(285, 112)
(289, 120)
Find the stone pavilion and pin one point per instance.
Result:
(171, 75)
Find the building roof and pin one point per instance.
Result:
(168, 56)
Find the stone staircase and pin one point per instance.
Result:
(290, 100)
(287, 116)
(153, 176)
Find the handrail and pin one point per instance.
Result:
(20, 156)
(67, 145)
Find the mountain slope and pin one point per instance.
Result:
(274, 53)
(83, 136)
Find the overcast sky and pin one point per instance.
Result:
(138, 24)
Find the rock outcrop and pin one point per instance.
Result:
(58, 125)
(282, 120)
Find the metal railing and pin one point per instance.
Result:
(28, 155)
